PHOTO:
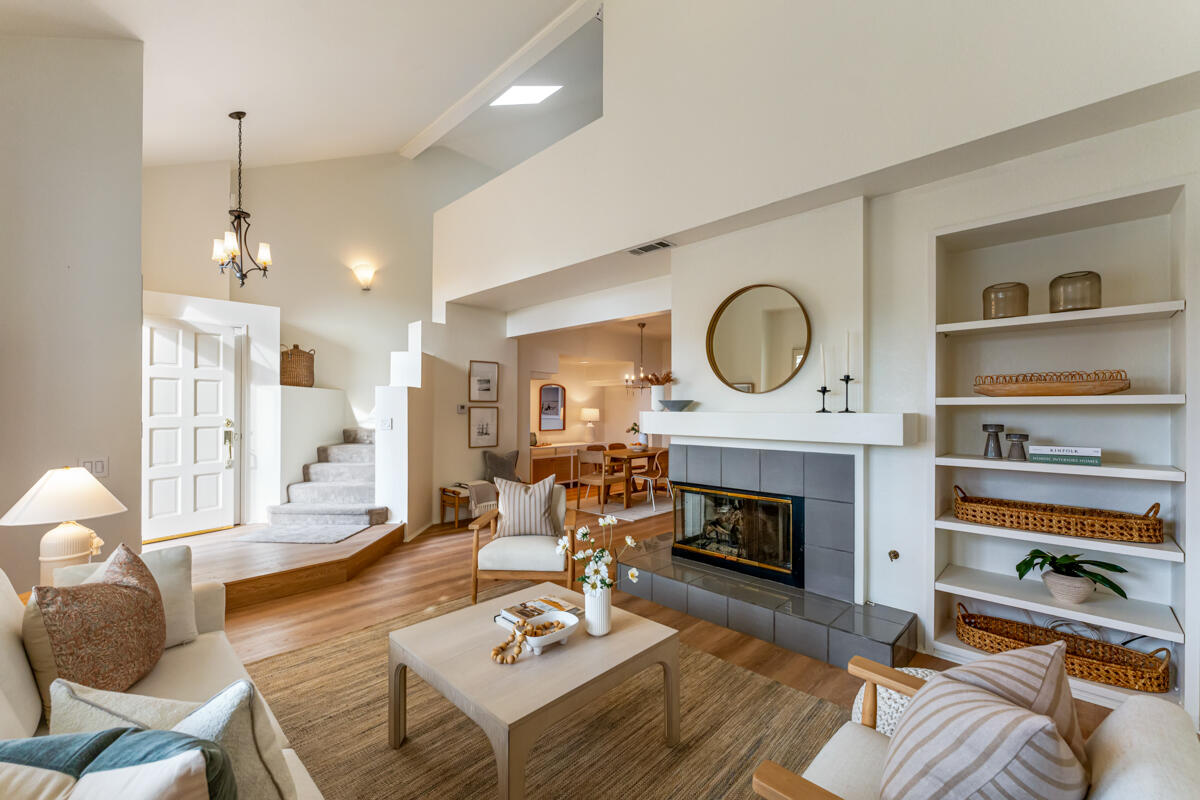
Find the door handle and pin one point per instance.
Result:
(228, 444)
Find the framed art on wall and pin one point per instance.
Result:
(483, 426)
(483, 382)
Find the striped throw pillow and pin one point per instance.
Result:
(1033, 678)
(525, 508)
(957, 741)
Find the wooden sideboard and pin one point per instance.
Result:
(560, 459)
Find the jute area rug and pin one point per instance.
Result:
(331, 701)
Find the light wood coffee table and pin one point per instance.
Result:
(515, 703)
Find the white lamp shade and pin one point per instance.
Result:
(264, 254)
(231, 245)
(589, 414)
(364, 273)
(67, 493)
(218, 254)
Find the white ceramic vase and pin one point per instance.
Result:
(597, 611)
(657, 395)
(1068, 588)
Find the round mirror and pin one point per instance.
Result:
(758, 339)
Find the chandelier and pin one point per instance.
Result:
(638, 380)
(229, 252)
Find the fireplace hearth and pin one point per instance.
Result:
(756, 533)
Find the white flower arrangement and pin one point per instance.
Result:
(595, 574)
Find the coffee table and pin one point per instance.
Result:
(514, 704)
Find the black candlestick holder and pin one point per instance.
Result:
(846, 379)
(824, 390)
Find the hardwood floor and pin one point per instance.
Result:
(436, 567)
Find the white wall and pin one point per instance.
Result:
(714, 108)
(321, 218)
(70, 306)
(580, 394)
(184, 209)
(261, 422)
(310, 418)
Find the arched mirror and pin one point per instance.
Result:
(758, 338)
(552, 402)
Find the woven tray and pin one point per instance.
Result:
(1090, 659)
(1091, 523)
(1039, 384)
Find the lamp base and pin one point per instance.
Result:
(589, 432)
(66, 545)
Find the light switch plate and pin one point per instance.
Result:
(385, 424)
(97, 465)
(461, 408)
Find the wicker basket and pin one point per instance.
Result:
(296, 366)
(1092, 523)
(1090, 659)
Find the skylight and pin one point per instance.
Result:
(524, 95)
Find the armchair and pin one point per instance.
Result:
(1147, 747)
(531, 557)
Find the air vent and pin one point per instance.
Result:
(661, 244)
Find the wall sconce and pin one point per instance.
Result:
(365, 273)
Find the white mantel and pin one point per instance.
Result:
(894, 430)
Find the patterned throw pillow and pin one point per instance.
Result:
(525, 508)
(1033, 678)
(958, 741)
(108, 634)
(117, 763)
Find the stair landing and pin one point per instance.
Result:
(254, 572)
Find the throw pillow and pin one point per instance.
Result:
(119, 762)
(108, 635)
(172, 571)
(958, 741)
(1033, 678)
(503, 466)
(234, 718)
(525, 508)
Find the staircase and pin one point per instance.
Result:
(339, 489)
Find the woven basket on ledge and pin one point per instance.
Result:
(296, 366)
(1090, 659)
(1092, 523)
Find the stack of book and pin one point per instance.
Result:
(1054, 454)
(531, 609)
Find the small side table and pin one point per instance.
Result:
(456, 498)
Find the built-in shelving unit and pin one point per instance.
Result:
(1136, 241)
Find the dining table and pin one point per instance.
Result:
(626, 456)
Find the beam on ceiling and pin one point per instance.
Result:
(533, 51)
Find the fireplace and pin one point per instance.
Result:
(757, 533)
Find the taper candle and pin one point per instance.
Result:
(824, 372)
(847, 372)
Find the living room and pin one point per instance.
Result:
(967, 235)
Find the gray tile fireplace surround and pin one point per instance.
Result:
(820, 621)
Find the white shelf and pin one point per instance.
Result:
(1065, 319)
(1070, 400)
(947, 645)
(1167, 551)
(1135, 616)
(1139, 472)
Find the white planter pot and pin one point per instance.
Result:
(597, 611)
(657, 395)
(1068, 588)
(644, 438)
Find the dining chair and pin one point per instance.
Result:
(655, 474)
(603, 478)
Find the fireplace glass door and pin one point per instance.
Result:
(753, 530)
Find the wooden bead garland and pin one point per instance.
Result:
(517, 638)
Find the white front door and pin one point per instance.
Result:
(188, 417)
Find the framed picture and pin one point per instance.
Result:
(483, 382)
(483, 426)
(744, 387)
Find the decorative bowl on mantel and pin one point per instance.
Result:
(675, 405)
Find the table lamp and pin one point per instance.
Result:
(64, 495)
(589, 415)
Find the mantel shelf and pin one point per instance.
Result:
(896, 430)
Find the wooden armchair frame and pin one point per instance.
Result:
(775, 782)
(567, 576)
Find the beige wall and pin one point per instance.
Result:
(70, 306)
(184, 209)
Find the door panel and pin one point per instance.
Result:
(188, 402)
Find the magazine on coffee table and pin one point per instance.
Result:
(523, 612)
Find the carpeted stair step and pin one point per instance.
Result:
(332, 492)
(358, 435)
(347, 453)
(327, 514)
(345, 471)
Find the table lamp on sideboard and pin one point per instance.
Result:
(590, 416)
(64, 495)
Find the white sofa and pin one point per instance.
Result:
(194, 671)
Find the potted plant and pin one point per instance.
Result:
(643, 438)
(597, 586)
(1069, 578)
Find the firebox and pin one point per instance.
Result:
(757, 533)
